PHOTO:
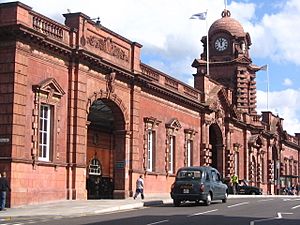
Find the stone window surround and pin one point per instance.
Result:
(150, 123)
(171, 131)
(189, 135)
(48, 92)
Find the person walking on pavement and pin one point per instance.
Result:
(235, 183)
(139, 187)
(4, 187)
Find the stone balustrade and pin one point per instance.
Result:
(170, 82)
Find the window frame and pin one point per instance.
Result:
(149, 158)
(44, 154)
(48, 93)
(171, 154)
(189, 152)
(189, 136)
(150, 150)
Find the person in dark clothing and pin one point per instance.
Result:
(4, 187)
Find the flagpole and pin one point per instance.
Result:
(268, 87)
(207, 47)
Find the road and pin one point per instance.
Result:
(242, 211)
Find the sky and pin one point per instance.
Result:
(171, 41)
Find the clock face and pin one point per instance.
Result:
(221, 44)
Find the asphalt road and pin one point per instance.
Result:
(247, 211)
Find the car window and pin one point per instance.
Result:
(215, 176)
(189, 175)
(207, 176)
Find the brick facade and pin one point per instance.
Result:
(81, 116)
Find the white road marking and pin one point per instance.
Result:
(295, 207)
(266, 200)
(158, 222)
(201, 213)
(238, 204)
(279, 216)
(289, 199)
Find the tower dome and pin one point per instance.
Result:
(226, 23)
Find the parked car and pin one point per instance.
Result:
(198, 183)
(245, 189)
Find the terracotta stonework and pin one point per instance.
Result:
(82, 117)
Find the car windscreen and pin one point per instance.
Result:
(189, 175)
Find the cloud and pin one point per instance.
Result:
(274, 35)
(287, 82)
(285, 104)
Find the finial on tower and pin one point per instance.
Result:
(226, 13)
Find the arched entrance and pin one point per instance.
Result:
(105, 148)
(216, 142)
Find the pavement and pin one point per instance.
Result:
(67, 208)
(76, 208)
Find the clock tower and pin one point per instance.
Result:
(229, 62)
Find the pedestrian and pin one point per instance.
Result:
(235, 183)
(139, 187)
(4, 187)
(298, 188)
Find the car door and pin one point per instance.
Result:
(218, 185)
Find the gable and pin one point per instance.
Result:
(173, 124)
(49, 87)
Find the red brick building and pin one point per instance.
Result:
(81, 116)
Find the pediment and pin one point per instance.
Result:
(49, 86)
(173, 124)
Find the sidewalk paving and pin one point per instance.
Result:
(83, 207)
(67, 208)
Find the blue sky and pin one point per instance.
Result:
(171, 41)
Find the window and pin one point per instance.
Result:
(95, 167)
(189, 175)
(189, 152)
(47, 98)
(215, 176)
(189, 135)
(172, 128)
(236, 162)
(150, 129)
(171, 154)
(44, 132)
(150, 150)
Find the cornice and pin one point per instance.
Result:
(31, 36)
(173, 95)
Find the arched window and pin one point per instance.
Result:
(95, 167)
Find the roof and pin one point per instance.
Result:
(226, 23)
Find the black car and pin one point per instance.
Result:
(245, 189)
(198, 183)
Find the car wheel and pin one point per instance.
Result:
(208, 199)
(176, 202)
(252, 193)
(224, 200)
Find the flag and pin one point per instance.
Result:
(199, 16)
(264, 68)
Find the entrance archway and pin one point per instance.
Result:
(216, 142)
(105, 147)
